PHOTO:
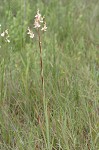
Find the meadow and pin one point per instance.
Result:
(67, 117)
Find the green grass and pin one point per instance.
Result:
(71, 72)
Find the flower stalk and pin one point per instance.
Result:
(41, 63)
(40, 26)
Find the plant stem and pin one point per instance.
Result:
(43, 93)
(41, 65)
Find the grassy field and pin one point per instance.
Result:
(67, 118)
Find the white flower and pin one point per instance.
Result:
(38, 20)
(6, 31)
(7, 40)
(30, 33)
(41, 20)
(3, 34)
(38, 16)
(36, 24)
(44, 27)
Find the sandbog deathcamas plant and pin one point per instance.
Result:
(40, 26)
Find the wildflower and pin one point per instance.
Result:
(32, 36)
(36, 24)
(6, 31)
(41, 20)
(38, 20)
(3, 34)
(38, 16)
(30, 33)
(44, 27)
(7, 40)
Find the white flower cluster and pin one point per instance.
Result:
(38, 20)
(37, 24)
(30, 33)
(5, 34)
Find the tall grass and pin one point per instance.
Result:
(71, 74)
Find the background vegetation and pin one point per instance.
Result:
(71, 72)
